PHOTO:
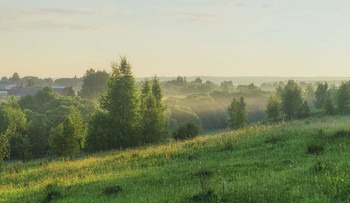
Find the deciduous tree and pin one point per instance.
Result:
(343, 97)
(69, 137)
(237, 114)
(291, 100)
(95, 84)
(273, 108)
(321, 95)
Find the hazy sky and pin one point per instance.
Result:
(63, 38)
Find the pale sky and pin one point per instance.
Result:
(63, 38)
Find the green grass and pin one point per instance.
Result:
(289, 162)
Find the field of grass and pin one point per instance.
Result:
(298, 161)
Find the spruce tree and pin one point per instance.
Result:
(152, 124)
(161, 108)
(121, 102)
(148, 114)
(157, 93)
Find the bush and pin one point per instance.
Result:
(113, 190)
(186, 130)
(341, 134)
(315, 148)
(52, 192)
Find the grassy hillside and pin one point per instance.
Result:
(298, 161)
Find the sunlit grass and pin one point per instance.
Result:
(258, 164)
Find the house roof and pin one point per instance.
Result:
(23, 91)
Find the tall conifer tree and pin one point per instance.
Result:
(121, 101)
(153, 123)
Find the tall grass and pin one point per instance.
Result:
(258, 164)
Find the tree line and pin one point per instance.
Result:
(288, 103)
(113, 111)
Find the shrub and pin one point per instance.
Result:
(315, 148)
(340, 134)
(52, 192)
(113, 190)
(68, 137)
(186, 130)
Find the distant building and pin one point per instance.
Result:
(64, 91)
(23, 91)
(59, 89)
(6, 84)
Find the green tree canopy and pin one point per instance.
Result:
(198, 80)
(16, 130)
(95, 84)
(321, 95)
(68, 91)
(304, 110)
(100, 133)
(273, 108)
(237, 114)
(343, 97)
(69, 137)
(291, 100)
(329, 106)
(15, 77)
(38, 128)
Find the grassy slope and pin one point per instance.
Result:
(265, 163)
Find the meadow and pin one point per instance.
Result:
(298, 161)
